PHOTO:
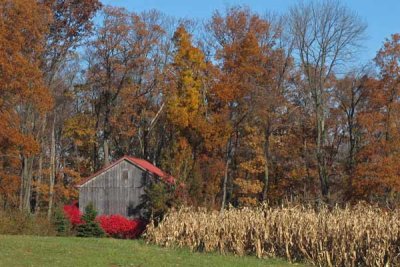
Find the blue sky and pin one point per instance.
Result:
(382, 17)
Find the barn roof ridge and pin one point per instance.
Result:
(141, 163)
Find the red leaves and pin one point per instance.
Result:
(73, 214)
(118, 226)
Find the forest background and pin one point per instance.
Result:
(241, 108)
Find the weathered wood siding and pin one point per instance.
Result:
(116, 190)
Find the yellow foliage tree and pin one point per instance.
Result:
(184, 101)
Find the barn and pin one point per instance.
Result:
(119, 187)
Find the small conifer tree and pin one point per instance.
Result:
(90, 227)
(61, 223)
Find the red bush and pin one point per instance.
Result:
(120, 227)
(114, 225)
(73, 214)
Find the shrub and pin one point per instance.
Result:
(22, 223)
(118, 226)
(73, 214)
(89, 226)
(157, 200)
(356, 236)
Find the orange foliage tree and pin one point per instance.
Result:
(24, 97)
(378, 170)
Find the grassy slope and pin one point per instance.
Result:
(67, 251)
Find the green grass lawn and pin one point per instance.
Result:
(72, 251)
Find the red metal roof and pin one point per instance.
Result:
(141, 163)
(151, 168)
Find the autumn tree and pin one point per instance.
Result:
(186, 101)
(351, 94)
(71, 23)
(250, 92)
(235, 41)
(378, 172)
(141, 107)
(24, 97)
(118, 58)
(326, 34)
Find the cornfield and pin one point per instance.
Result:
(356, 236)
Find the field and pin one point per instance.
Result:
(353, 236)
(70, 251)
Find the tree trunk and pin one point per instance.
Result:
(321, 157)
(106, 152)
(26, 129)
(38, 183)
(145, 144)
(52, 168)
(266, 167)
(40, 167)
(94, 158)
(28, 184)
(224, 186)
(77, 161)
(352, 148)
(106, 141)
(309, 183)
(22, 183)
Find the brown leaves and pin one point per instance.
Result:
(25, 99)
(22, 33)
(377, 173)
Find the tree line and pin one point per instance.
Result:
(241, 108)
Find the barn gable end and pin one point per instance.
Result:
(117, 189)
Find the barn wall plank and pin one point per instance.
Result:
(110, 193)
